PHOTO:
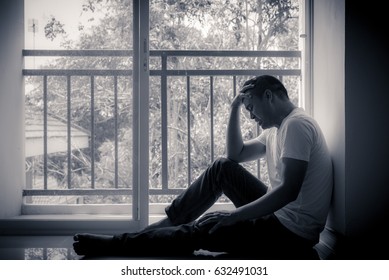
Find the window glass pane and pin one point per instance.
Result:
(203, 51)
(79, 103)
(224, 25)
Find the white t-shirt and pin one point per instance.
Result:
(300, 137)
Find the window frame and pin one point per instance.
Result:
(142, 213)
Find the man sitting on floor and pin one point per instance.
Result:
(269, 221)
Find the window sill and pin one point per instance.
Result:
(101, 210)
(73, 222)
(67, 224)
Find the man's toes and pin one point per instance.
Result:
(81, 236)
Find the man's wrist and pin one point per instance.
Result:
(234, 216)
(235, 106)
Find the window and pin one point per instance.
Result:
(86, 142)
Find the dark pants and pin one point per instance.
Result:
(262, 237)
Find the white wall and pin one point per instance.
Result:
(12, 177)
(351, 103)
(329, 93)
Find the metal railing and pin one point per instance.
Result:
(164, 72)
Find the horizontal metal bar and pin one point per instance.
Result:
(107, 53)
(97, 72)
(80, 192)
(230, 72)
(225, 53)
(124, 53)
(75, 72)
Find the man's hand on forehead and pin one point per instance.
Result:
(246, 88)
(244, 93)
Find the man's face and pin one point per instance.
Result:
(258, 109)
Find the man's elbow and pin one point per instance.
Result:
(233, 158)
(233, 155)
(291, 193)
(293, 196)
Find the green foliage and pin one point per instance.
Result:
(54, 28)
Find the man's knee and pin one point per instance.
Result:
(223, 163)
(223, 166)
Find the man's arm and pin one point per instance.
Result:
(293, 173)
(237, 149)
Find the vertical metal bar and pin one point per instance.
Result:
(212, 120)
(306, 42)
(92, 110)
(144, 88)
(115, 79)
(188, 129)
(45, 134)
(164, 122)
(234, 84)
(135, 109)
(69, 133)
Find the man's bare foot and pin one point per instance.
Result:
(93, 244)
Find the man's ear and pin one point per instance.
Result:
(268, 94)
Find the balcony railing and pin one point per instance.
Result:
(163, 72)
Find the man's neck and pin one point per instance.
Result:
(285, 111)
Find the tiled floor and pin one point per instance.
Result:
(53, 248)
(25, 247)
(37, 248)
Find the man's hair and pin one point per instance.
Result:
(264, 82)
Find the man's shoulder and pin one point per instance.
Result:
(300, 118)
(299, 114)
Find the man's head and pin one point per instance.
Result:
(258, 85)
(266, 98)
